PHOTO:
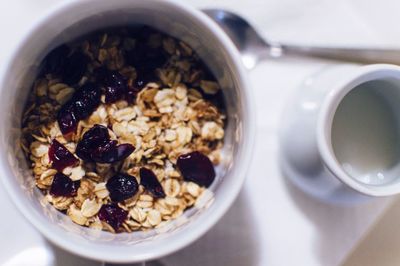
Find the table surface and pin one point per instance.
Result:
(271, 222)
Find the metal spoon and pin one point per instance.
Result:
(255, 48)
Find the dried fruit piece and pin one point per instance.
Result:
(115, 84)
(82, 104)
(106, 152)
(92, 140)
(196, 167)
(96, 146)
(63, 186)
(113, 215)
(86, 100)
(150, 182)
(111, 153)
(66, 118)
(60, 156)
(122, 186)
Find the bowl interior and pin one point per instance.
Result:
(73, 21)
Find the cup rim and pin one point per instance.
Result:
(201, 224)
(325, 120)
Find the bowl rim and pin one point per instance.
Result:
(92, 250)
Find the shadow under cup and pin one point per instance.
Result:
(74, 21)
(365, 133)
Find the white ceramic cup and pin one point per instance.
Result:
(309, 151)
(73, 19)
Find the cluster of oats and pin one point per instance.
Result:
(169, 117)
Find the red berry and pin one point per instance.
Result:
(82, 104)
(96, 146)
(66, 118)
(122, 186)
(113, 215)
(150, 182)
(63, 186)
(115, 84)
(86, 100)
(196, 167)
(90, 141)
(60, 156)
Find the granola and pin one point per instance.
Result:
(158, 112)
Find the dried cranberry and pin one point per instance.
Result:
(113, 215)
(61, 156)
(74, 68)
(150, 182)
(104, 147)
(82, 104)
(111, 153)
(55, 60)
(96, 146)
(196, 167)
(66, 118)
(115, 84)
(63, 186)
(122, 186)
(86, 100)
(91, 140)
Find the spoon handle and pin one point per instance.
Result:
(359, 55)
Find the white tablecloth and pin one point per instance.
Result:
(271, 223)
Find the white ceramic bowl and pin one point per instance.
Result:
(76, 18)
